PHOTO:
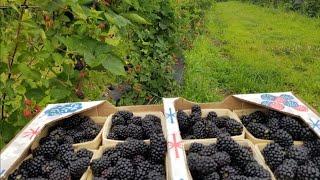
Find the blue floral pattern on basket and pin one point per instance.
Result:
(63, 109)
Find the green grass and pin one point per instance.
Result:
(249, 49)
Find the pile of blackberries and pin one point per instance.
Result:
(196, 127)
(125, 125)
(133, 160)
(276, 126)
(53, 160)
(224, 160)
(294, 162)
(74, 129)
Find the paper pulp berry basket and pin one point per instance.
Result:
(246, 143)
(220, 112)
(107, 126)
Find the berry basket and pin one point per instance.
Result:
(20, 176)
(108, 125)
(251, 137)
(93, 144)
(219, 113)
(243, 143)
(99, 154)
(287, 155)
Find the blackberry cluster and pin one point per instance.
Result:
(194, 126)
(224, 160)
(53, 161)
(276, 126)
(126, 125)
(294, 162)
(74, 129)
(133, 159)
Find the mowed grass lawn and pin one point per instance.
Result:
(247, 49)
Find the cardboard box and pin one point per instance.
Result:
(19, 147)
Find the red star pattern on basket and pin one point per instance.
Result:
(31, 132)
(282, 101)
(175, 145)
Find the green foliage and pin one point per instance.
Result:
(309, 7)
(259, 50)
(63, 50)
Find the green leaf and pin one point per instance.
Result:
(27, 72)
(116, 19)
(136, 18)
(60, 93)
(91, 60)
(20, 89)
(77, 9)
(36, 94)
(113, 64)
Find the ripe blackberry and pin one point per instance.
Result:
(73, 121)
(313, 147)
(316, 161)
(159, 168)
(18, 174)
(98, 165)
(221, 158)
(142, 169)
(135, 131)
(120, 131)
(79, 136)
(125, 169)
(196, 109)
(111, 135)
(307, 134)
(151, 124)
(48, 149)
(254, 169)
(183, 121)
(118, 120)
(68, 140)
(211, 130)
(155, 175)
(131, 148)
(286, 170)
(222, 121)
(135, 120)
(299, 154)
(292, 126)
(50, 166)
(212, 176)
(68, 157)
(194, 118)
(196, 147)
(64, 148)
(233, 127)
(209, 150)
(92, 131)
(241, 177)
(158, 147)
(199, 130)
(202, 164)
(226, 143)
(34, 168)
(258, 117)
(273, 124)
(227, 172)
(212, 116)
(274, 114)
(152, 118)
(84, 153)
(242, 156)
(190, 137)
(274, 155)
(78, 167)
(125, 114)
(57, 134)
(60, 174)
(307, 173)
(283, 138)
(245, 120)
(259, 130)
(109, 173)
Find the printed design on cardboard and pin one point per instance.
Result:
(2, 171)
(31, 132)
(63, 109)
(282, 101)
(315, 123)
(170, 116)
(175, 144)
